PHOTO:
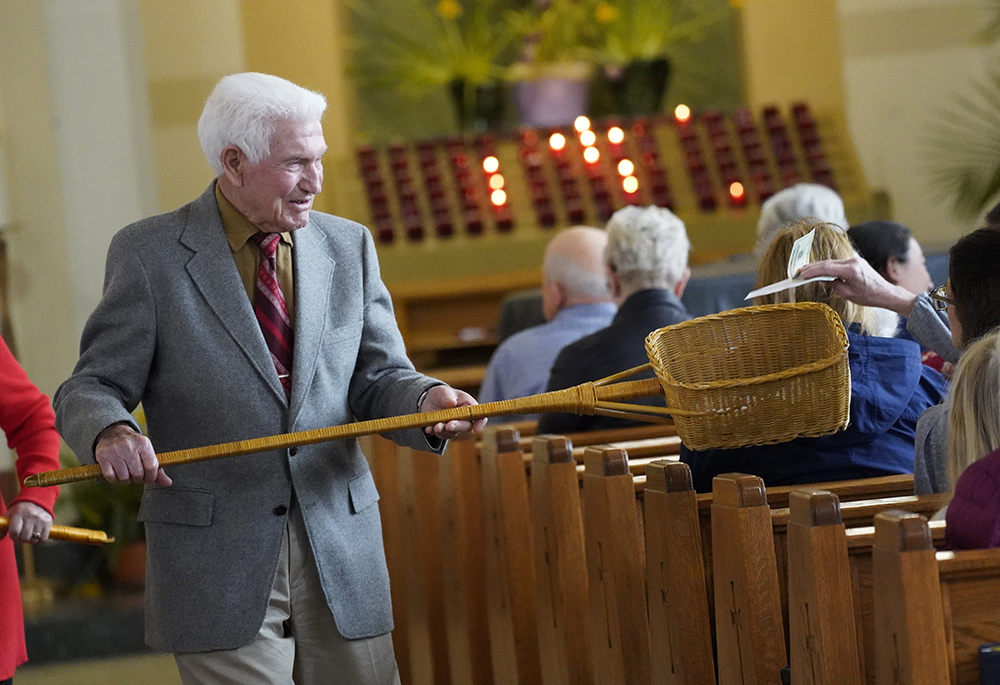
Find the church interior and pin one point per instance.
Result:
(462, 185)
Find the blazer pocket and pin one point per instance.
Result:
(186, 506)
(362, 492)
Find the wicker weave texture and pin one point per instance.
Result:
(764, 374)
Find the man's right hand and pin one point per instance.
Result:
(126, 456)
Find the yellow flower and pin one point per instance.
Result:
(605, 13)
(449, 9)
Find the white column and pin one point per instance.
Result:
(75, 137)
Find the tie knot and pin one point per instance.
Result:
(268, 242)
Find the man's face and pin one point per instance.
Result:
(278, 192)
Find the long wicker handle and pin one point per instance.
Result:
(69, 533)
(588, 398)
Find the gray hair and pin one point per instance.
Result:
(798, 202)
(577, 280)
(243, 110)
(647, 247)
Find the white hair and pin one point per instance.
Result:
(798, 202)
(243, 110)
(647, 247)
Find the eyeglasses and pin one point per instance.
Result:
(939, 296)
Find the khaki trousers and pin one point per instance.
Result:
(298, 642)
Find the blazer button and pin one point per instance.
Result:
(293, 451)
(280, 510)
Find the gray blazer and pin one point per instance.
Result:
(176, 331)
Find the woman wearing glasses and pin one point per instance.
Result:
(971, 298)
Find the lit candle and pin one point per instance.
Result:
(591, 155)
(498, 197)
(630, 184)
(557, 141)
(581, 124)
(737, 193)
(682, 113)
(625, 167)
(491, 164)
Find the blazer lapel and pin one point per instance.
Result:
(213, 273)
(314, 267)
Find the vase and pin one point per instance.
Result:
(551, 101)
(635, 89)
(479, 108)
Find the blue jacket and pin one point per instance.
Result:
(890, 388)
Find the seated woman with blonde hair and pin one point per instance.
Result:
(973, 514)
(889, 389)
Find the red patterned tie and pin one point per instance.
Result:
(272, 314)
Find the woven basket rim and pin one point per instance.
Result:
(837, 326)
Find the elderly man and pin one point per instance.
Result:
(244, 314)
(575, 300)
(646, 260)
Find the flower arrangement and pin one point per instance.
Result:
(418, 45)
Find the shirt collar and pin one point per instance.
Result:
(237, 227)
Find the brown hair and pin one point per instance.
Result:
(829, 242)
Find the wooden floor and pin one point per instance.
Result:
(148, 669)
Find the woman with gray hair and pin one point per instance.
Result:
(646, 259)
(798, 202)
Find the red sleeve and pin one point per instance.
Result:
(27, 419)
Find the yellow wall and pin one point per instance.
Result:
(791, 51)
(188, 46)
(313, 54)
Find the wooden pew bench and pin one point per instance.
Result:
(933, 609)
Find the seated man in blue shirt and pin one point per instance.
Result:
(576, 302)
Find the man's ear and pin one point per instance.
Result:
(553, 298)
(233, 161)
(614, 283)
(682, 283)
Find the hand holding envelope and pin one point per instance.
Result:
(801, 251)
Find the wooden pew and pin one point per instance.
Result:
(680, 622)
(511, 586)
(560, 564)
(932, 609)
(510, 571)
(758, 582)
(830, 580)
(748, 622)
(616, 570)
(463, 554)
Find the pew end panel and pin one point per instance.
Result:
(560, 563)
(510, 570)
(616, 570)
(824, 646)
(911, 645)
(680, 624)
(748, 621)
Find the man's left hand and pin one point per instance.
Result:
(446, 397)
(28, 522)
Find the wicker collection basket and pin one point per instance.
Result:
(761, 375)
